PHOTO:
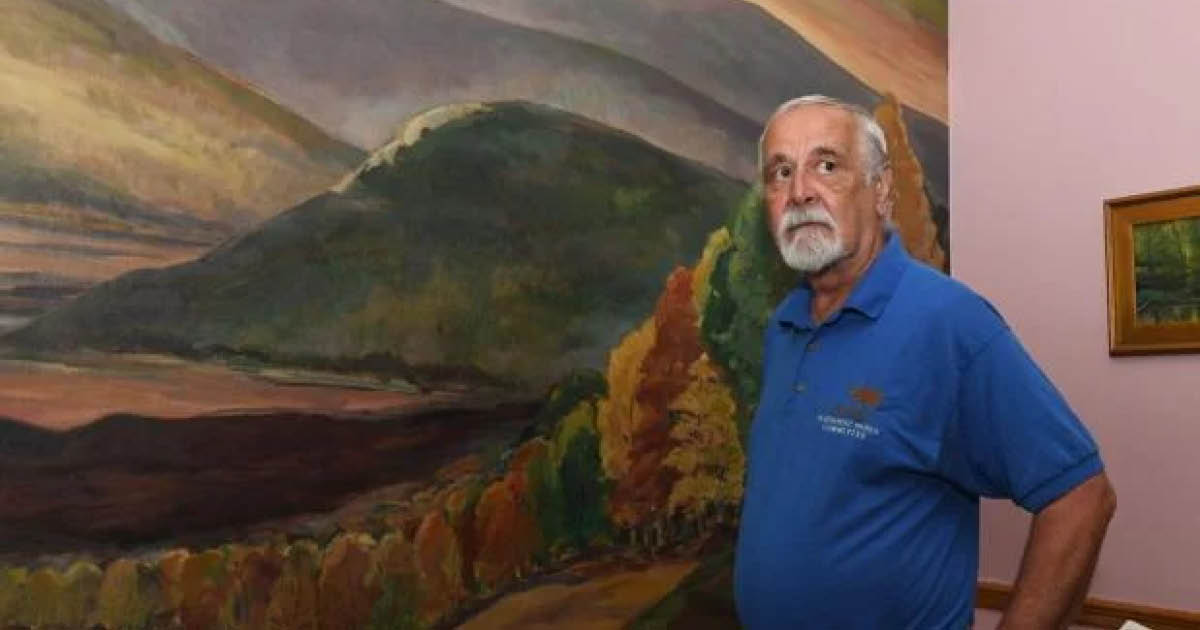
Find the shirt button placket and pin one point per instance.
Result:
(806, 344)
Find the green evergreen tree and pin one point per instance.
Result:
(583, 490)
(747, 283)
(395, 609)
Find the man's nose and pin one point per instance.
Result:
(800, 190)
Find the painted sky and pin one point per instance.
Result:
(696, 77)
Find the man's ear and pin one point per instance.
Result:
(884, 193)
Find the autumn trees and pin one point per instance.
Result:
(678, 386)
(640, 457)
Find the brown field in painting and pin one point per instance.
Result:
(79, 389)
(101, 451)
(128, 481)
(608, 597)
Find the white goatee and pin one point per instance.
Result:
(804, 245)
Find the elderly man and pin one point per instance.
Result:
(893, 398)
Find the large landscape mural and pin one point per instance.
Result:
(400, 314)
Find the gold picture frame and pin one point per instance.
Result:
(1153, 259)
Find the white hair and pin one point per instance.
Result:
(870, 134)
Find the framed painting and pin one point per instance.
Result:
(405, 314)
(1153, 244)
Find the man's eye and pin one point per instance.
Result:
(826, 167)
(780, 172)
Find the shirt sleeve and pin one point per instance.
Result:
(1013, 435)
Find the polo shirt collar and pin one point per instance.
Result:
(870, 295)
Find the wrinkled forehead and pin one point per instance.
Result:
(808, 129)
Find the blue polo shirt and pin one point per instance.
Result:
(876, 434)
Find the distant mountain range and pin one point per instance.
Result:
(696, 77)
(118, 151)
(512, 243)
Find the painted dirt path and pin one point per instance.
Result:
(607, 601)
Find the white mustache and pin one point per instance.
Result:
(794, 217)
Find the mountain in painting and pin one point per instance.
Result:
(512, 243)
(118, 152)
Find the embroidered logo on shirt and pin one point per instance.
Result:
(851, 420)
(866, 395)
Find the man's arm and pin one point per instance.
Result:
(1060, 556)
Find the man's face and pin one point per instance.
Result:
(820, 200)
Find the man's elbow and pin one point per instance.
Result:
(1094, 500)
(1108, 499)
(1096, 497)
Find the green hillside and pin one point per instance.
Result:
(516, 242)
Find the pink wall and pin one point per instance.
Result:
(1055, 106)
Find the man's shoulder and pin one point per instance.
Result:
(933, 291)
(946, 305)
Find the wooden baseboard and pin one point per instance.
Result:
(1101, 613)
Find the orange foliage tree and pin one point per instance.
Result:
(506, 529)
(293, 603)
(439, 563)
(205, 585)
(348, 583)
(256, 571)
(640, 496)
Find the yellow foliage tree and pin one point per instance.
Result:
(81, 588)
(718, 243)
(14, 594)
(170, 569)
(707, 453)
(617, 416)
(126, 599)
(294, 597)
(45, 591)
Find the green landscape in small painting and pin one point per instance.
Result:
(1167, 271)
